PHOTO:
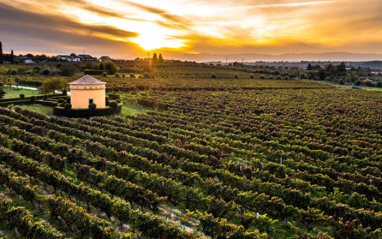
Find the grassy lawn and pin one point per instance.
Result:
(349, 87)
(40, 109)
(132, 109)
(15, 93)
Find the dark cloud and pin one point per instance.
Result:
(26, 31)
(21, 19)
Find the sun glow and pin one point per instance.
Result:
(198, 26)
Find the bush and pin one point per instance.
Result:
(123, 76)
(114, 96)
(132, 75)
(68, 106)
(379, 84)
(271, 77)
(286, 78)
(113, 104)
(104, 74)
(92, 106)
(236, 76)
(278, 77)
(146, 75)
(28, 72)
(33, 98)
(116, 75)
(45, 72)
(368, 83)
(60, 101)
(262, 77)
(358, 83)
(22, 96)
(213, 76)
(13, 72)
(251, 76)
(64, 92)
(37, 69)
(69, 70)
(341, 82)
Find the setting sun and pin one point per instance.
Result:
(130, 28)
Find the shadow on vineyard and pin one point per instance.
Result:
(200, 158)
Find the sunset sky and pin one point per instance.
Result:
(129, 29)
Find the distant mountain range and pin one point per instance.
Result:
(252, 57)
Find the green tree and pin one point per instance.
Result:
(68, 69)
(160, 59)
(89, 65)
(1, 54)
(309, 68)
(341, 69)
(53, 84)
(110, 66)
(2, 92)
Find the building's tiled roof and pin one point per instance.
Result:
(87, 80)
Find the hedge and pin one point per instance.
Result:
(86, 113)
(94, 72)
(16, 102)
(28, 100)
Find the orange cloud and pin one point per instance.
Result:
(279, 26)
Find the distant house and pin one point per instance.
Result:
(24, 59)
(366, 80)
(86, 57)
(74, 58)
(63, 57)
(104, 58)
(28, 61)
(376, 71)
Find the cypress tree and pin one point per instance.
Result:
(155, 58)
(160, 60)
(1, 54)
(12, 59)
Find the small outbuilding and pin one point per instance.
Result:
(366, 80)
(87, 90)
